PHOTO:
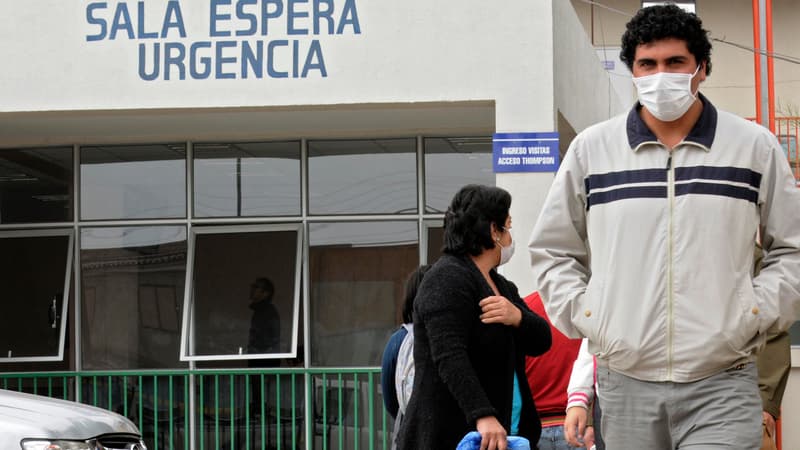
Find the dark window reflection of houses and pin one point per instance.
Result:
(132, 281)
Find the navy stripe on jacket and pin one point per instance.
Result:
(651, 183)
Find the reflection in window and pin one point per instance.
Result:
(362, 177)
(34, 269)
(36, 185)
(451, 163)
(133, 182)
(249, 304)
(358, 272)
(131, 278)
(247, 179)
(435, 242)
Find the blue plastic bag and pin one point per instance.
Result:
(472, 441)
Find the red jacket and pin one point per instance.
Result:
(548, 374)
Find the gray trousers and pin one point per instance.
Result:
(722, 411)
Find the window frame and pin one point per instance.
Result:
(69, 233)
(187, 325)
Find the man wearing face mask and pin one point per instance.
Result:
(645, 242)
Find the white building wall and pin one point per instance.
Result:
(582, 93)
(413, 51)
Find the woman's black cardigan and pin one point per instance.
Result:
(464, 368)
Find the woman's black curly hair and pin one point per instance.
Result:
(666, 21)
(467, 222)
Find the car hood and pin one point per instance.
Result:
(34, 416)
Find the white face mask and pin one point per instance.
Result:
(666, 95)
(506, 252)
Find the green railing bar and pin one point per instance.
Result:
(263, 419)
(141, 407)
(110, 393)
(125, 397)
(202, 413)
(171, 414)
(155, 409)
(278, 410)
(247, 412)
(340, 425)
(324, 411)
(216, 410)
(186, 412)
(231, 418)
(294, 411)
(371, 411)
(355, 409)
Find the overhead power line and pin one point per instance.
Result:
(782, 57)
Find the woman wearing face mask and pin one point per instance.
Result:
(471, 334)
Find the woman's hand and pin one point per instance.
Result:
(498, 309)
(493, 435)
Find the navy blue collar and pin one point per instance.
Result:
(702, 133)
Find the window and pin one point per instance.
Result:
(357, 272)
(435, 233)
(130, 280)
(36, 185)
(245, 296)
(35, 283)
(133, 182)
(247, 179)
(451, 163)
(362, 177)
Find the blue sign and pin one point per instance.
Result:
(525, 152)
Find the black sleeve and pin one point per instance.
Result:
(446, 305)
(533, 336)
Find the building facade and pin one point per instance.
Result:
(160, 159)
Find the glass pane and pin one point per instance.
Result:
(36, 185)
(32, 274)
(358, 272)
(246, 305)
(132, 290)
(451, 163)
(362, 177)
(435, 243)
(133, 182)
(248, 179)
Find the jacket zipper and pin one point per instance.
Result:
(670, 317)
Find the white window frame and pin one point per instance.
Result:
(65, 299)
(187, 327)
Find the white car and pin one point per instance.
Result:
(34, 422)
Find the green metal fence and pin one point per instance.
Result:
(325, 409)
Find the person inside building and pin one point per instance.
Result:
(645, 246)
(265, 323)
(548, 377)
(472, 332)
(397, 386)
